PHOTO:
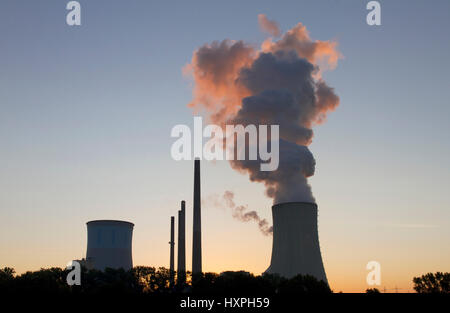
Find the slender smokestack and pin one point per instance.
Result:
(172, 244)
(197, 227)
(181, 267)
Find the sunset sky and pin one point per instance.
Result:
(86, 114)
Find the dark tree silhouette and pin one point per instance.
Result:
(432, 283)
(149, 280)
(6, 274)
(303, 284)
(242, 282)
(50, 280)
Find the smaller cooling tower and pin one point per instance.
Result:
(296, 248)
(109, 244)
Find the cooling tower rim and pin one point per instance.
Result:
(110, 222)
(282, 204)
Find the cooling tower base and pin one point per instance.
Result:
(296, 248)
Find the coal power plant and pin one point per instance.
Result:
(295, 248)
(109, 244)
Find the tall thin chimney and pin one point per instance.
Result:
(172, 244)
(181, 266)
(197, 226)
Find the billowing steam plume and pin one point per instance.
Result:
(281, 83)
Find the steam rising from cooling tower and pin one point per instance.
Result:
(278, 84)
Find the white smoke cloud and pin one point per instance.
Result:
(281, 84)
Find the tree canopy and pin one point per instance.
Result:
(432, 283)
(150, 280)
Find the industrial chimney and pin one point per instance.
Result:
(172, 244)
(296, 248)
(181, 266)
(109, 244)
(197, 226)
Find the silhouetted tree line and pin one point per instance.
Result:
(432, 283)
(149, 280)
(246, 283)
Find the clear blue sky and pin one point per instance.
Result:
(86, 114)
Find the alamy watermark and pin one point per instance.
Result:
(73, 17)
(374, 16)
(374, 276)
(74, 276)
(257, 145)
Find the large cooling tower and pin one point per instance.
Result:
(109, 244)
(296, 248)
